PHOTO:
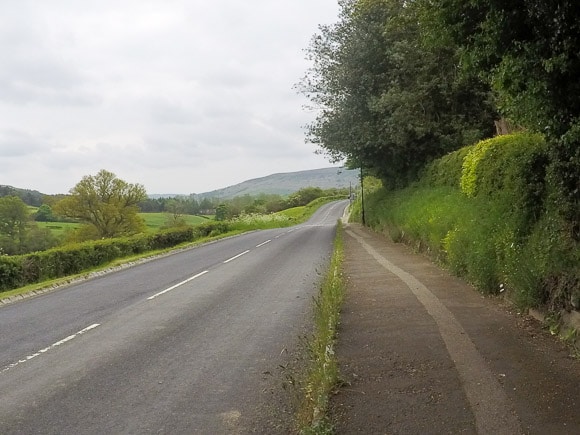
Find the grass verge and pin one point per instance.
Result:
(322, 373)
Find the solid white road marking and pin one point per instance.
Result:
(263, 243)
(237, 256)
(52, 346)
(173, 287)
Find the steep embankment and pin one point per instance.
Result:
(489, 213)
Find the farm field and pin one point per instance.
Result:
(154, 221)
(59, 228)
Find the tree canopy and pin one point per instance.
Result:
(106, 203)
(386, 98)
(14, 217)
(527, 52)
(397, 83)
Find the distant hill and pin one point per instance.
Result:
(287, 183)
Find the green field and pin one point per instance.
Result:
(59, 228)
(293, 213)
(154, 221)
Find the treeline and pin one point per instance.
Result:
(400, 83)
(230, 208)
(29, 197)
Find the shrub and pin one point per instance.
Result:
(210, 229)
(447, 170)
(171, 237)
(501, 229)
(11, 275)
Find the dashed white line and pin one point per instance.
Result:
(263, 243)
(52, 346)
(236, 256)
(173, 287)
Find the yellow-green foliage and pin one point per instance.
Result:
(500, 227)
(468, 180)
(491, 164)
(447, 170)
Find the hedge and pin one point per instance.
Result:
(21, 270)
(487, 212)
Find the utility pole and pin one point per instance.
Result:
(350, 191)
(362, 197)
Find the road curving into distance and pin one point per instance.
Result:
(187, 343)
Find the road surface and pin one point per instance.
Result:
(187, 343)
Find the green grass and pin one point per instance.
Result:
(482, 240)
(293, 213)
(322, 374)
(154, 221)
(59, 228)
(284, 218)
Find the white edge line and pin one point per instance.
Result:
(237, 256)
(173, 287)
(52, 346)
(263, 243)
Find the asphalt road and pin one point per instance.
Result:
(187, 343)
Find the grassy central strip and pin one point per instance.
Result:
(322, 374)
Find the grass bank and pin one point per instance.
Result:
(156, 221)
(490, 214)
(281, 219)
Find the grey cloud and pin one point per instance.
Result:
(14, 143)
(159, 92)
(166, 111)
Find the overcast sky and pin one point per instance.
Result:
(182, 96)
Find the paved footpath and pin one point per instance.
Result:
(422, 352)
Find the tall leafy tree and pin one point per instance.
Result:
(14, 219)
(527, 50)
(386, 99)
(105, 203)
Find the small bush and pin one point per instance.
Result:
(11, 273)
(211, 228)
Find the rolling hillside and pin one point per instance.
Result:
(289, 182)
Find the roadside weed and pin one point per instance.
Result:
(322, 374)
